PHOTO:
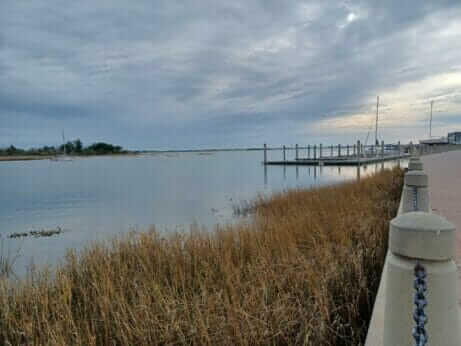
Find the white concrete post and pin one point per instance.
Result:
(429, 240)
(415, 164)
(415, 194)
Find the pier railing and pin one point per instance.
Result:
(313, 154)
(417, 300)
(427, 149)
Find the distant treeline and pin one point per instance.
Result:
(75, 147)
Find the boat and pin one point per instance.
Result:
(63, 156)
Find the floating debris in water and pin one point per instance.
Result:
(37, 233)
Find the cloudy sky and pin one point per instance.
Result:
(153, 74)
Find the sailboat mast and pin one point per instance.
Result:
(376, 127)
(64, 142)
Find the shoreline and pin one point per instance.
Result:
(24, 158)
(48, 157)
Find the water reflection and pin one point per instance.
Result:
(323, 173)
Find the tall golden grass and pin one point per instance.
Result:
(304, 270)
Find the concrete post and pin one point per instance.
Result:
(339, 150)
(429, 240)
(284, 154)
(265, 153)
(415, 194)
(320, 151)
(296, 151)
(315, 151)
(415, 164)
(382, 149)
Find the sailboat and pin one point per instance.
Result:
(63, 156)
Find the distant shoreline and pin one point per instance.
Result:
(48, 157)
(131, 153)
(24, 158)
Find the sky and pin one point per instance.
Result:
(153, 74)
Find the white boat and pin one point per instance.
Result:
(63, 156)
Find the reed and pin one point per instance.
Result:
(304, 270)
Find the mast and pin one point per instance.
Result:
(430, 121)
(376, 127)
(64, 142)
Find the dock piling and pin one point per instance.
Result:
(296, 151)
(315, 151)
(358, 150)
(339, 150)
(265, 153)
(320, 151)
(284, 154)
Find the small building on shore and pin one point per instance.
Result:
(454, 137)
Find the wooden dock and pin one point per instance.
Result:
(338, 155)
(350, 161)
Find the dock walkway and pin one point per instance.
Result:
(444, 174)
(337, 155)
(339, 161)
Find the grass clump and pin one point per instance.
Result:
(304, 270)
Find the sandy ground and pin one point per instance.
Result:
(444, 173)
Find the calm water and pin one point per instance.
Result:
(96, 198)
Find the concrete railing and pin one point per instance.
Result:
(425, 149)
(417, 300)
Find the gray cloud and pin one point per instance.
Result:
(213, 73)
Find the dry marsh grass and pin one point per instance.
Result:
(305, 270)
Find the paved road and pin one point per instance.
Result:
(444, 173)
